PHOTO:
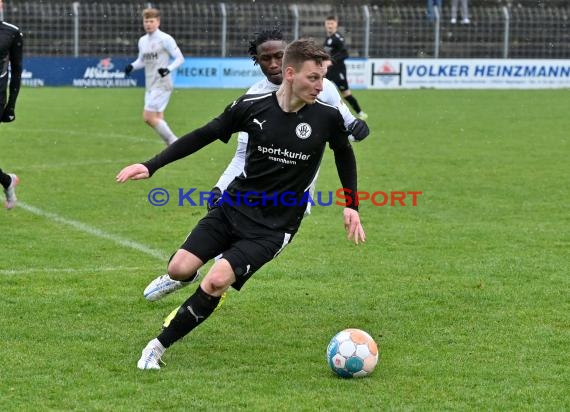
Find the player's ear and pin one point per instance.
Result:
(289, 73)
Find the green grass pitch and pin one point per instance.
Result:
(467, 293)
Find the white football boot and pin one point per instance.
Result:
(151, 354)
(164, 285)
(11, 192)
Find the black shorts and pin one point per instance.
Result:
(246, 245)
(336, 73)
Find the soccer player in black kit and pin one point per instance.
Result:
(11, 52)
(334, 45)
(288, 133)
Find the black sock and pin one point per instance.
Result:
(350, 99)
(192, 312)
(5, 179)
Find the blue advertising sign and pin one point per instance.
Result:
(217, 73)
(469, 73)
(79, 72)
(206, 72)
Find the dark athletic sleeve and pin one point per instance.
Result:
(222, 128)
(346, 168)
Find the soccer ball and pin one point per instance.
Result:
(352, 353)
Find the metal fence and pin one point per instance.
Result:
(65, 28)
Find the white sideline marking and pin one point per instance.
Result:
(112, 136)
(68, 270)
(96, 162)
(82, 227)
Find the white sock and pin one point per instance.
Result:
(164, 131)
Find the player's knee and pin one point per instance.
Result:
(179, 269)
(216, 282)
(151, 121)
(151, 118)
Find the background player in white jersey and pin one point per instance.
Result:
(266, 49)
(159, 55)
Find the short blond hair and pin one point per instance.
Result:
(302, 50)
(151, 13)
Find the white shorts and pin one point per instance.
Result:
(156, 100)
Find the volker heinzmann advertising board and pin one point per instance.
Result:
(468, 74)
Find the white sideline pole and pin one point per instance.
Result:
(75, 29)
(506, 32)
(295, 11)
(436, 32)
(366, 31)
(224, 27)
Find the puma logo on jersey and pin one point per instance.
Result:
(259, 123)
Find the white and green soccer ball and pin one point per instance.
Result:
(352, 353)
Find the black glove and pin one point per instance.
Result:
(163, 71)
(8, 115)
(216, 195)
(359, 130)
(128, 69)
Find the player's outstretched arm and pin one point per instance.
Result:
(136, 171)
(353, 227)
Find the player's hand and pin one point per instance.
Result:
(163, 71)
(132, 172)
(353, 227)
(128, 69)
(8, 115)
(358, 130)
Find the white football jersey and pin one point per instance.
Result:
(158, 50)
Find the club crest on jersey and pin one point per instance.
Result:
(303, 130)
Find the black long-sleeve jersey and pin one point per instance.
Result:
(11, 54)
(284, 152)
(334, 45)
